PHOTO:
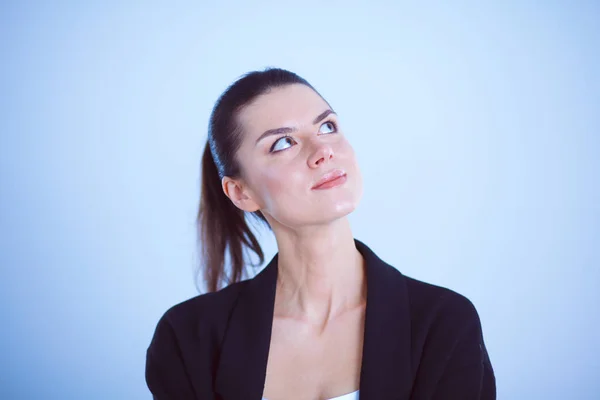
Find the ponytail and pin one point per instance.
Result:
(222, 229)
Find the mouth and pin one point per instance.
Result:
(331, 179)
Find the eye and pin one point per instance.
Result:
(329, 125)
(281, 139)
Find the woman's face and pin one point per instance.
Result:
(291, 139)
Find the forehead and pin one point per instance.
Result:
(287, 105)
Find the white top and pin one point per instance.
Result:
(348, 396)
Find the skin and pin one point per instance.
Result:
(316, 343)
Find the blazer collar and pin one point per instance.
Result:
(386, 371)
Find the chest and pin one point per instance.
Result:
(308, 363)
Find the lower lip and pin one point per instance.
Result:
(333, 183)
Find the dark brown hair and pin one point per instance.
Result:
(222, 227)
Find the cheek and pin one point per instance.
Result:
(282, 183)
(347, 154)
(352, 164)
(347, 148)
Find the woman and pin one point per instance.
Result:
(326, 318)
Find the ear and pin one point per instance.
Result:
(239, 195)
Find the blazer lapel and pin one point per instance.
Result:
(386, 370)
(242, 366)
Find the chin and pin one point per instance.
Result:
(338, 209)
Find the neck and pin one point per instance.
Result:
(321, 274)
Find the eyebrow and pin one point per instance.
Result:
(281, 131)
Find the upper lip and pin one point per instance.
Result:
(336, 173)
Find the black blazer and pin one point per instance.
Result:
(421, 341)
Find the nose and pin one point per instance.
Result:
(321, 155)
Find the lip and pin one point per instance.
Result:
(330, 179)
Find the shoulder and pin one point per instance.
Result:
(447, 340)
(207, 307)
(200, 316)
(184, 331)
(426, 303)
(448, 352)
(437, 307)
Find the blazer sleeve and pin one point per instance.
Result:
(166, 374)
(468, 373)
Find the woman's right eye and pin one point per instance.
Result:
(281, 139)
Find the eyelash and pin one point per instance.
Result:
(335, 129)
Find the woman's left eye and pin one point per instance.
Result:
(329, 127)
